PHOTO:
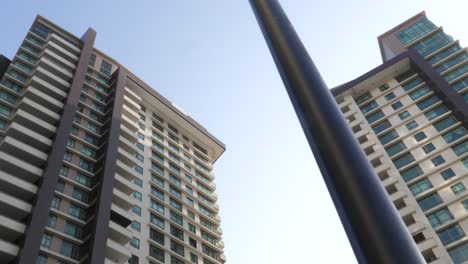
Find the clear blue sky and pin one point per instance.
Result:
(209, 57)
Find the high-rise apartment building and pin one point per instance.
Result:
(96, 166)
(410, 116)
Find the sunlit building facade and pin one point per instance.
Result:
(95, 165)
(410, 116)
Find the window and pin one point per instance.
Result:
(420, 136)
(447, 174)
(451, 234)
(106, 67)
(192, 228)
(427, 102)
(157, 253)
(430, 201)
(67, 156)
(60, 186)
(375, 116)
(136, 210)
(88, 152)
(159, 194)
(140, 146)
(80, 195)
(51, 220)
(138, 182)
(397, 105)
(419, 93)
(177, 218)
(415, 31)
(384, 87)
(190, 202)
(440, 217)
(73, 230)
(157, 221)
(46, 241)
(92, 60)
(459, 254)
(133, 260)
(411, 125)
(461, 148)
(384, 139)
(86, 165)
(139, 157)
(381, 126)
(41, 259)
(390, 96)
(428, 148)
(458, 188)
(137, 195)
(157, 206)
(135, 242)
(404, 115)
(159, 181)
(175, 204)
(368, 107)
(420, 186)
(438, 111)
(141, 136)
(76, 211)
(362, 98)
(191, 214)
(83, 179)
(437, 160)
(157, 236)
(175, 192)
(175, 180)
(411, 173)
(136, 226)
(177, 248)
(465, 204)
(454, 134)
(70, 250)
(444, 123)
(56, 202)
(395, 148)
(403, 160)
(193, 258)
(139, 169)
(177, 232)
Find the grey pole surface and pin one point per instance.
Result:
(375, 230)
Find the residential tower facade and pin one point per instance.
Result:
(410, 116)
(95, 165)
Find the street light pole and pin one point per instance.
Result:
(375, 230)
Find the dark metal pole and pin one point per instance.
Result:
(373, 225)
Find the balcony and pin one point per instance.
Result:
(129, 124)
(29, 137)
(19, 168)
(24, 151)
(127, 145)
(54, 38)
(429, 243)
(124, 185)
(12, 185)
(44, 99)
(48, 88)
(35, 124)
(121, 199)
(60, 59)
(125, 171)
(120, 216)
(116, 252)
(39, 111)
(8, 251)
(10, 229)
(61, 51)
(119, 234)
(130, 113)
(125, 157)
(12, 207)
(128, 134)
(133, 97)
(58, 71)
(51, 78)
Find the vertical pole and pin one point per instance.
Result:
(375, 230)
